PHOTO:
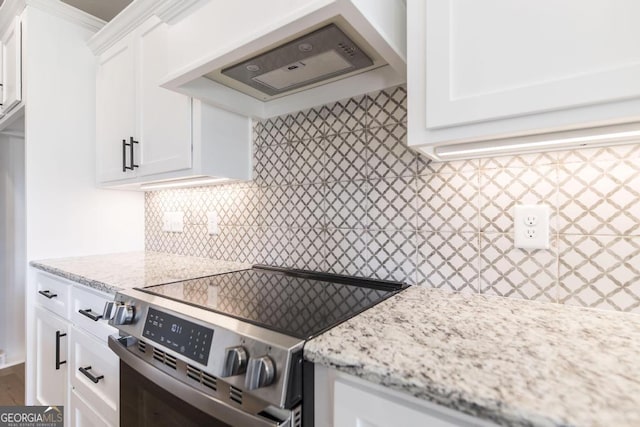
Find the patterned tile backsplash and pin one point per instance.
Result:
(336, 189)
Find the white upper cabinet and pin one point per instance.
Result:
(482, 71)
(146, 133)
(11, 65)
(141, 128)
(164, 119)
(115, 111)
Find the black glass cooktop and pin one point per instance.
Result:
(295, 302)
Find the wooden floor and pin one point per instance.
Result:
(12, 386)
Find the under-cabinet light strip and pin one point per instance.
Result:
(182, 183)
(553, 142)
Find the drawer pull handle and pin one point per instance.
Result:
(90, 315)
(47, 294)
(88, 374)
(58, 361)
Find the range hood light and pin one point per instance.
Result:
(305, 47)
(191, 182)
(491, 147)
(253, 68)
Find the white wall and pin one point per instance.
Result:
(66, 214)
(12, 247)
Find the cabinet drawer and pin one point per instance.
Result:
(87, 306)
(82, 415)
(95, 374)
(53, 293)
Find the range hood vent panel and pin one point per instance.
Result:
(321, 55)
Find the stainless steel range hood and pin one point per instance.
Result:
(308, 60)
(287, 56)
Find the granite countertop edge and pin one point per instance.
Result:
(94, 284)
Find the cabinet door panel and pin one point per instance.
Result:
(498, 58)
(82, 415)
(51, 382)
(165, 116)
(12, 66)
(115, 111)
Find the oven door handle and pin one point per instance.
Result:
(206, 404)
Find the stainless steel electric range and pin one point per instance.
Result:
(227, 349)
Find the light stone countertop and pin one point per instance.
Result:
(113, 272)
(516, 363)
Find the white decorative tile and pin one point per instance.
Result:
(274, 203)
(272, 165)
(308, 124)
(511, 272)
(307, 250)
(392, 255)
(273, 131)
(599, 198)
(347, 204)
(427, 166)
(392, 204)
(388, 154)
(387, 106)
(519, 161)
(601, 154)
(274, 246)
(448, 202)
(346, 157)
(346, 252)
(600, 272)
(307, 161)
(502, 189)
(448, 261)
(306, 206)
(344, 116)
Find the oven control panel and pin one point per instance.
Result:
(184, 337)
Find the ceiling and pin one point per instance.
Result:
(103, 9)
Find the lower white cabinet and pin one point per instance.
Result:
(94, 372)
(74, 367)
(52, 340)
(343, 400)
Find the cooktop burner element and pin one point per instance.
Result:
(299, 304)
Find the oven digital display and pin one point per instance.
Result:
(182, 336)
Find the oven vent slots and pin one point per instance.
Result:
(142, 346)
(235, 395)
(297, 417)
(202, 377)
(164, 358)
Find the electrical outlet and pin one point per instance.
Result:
(173, 222)
(212, 222)
(531, 226)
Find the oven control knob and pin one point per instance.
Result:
(261, 372)
(235, 361)
(124, 315)
(109, 310)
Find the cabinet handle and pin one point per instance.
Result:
(88, 374)
(58, 361)
(47, 294)
(124, 155)
(90, 315)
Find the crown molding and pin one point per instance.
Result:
(136, 13)
(69, 13)
(9, 10)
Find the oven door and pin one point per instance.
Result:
(145, 399)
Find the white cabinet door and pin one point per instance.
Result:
(164, 121)
(51, 358)
(115, 112)
(499, 58)
(82, 415)
(95, 374)
(12, 66)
